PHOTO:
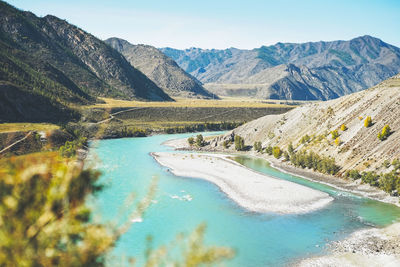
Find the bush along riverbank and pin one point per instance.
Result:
(388, 181)
(301, 161)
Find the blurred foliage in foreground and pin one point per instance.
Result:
(187, 252)
(44, 220)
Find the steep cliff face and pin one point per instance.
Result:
(162, 70)
(358, 148)
(105, 62)
(308, 71)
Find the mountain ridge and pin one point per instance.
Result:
(337, 67)
(161, 69)
(50, 58)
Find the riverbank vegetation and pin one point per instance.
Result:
(239, 143)
(304, 158)
(388, 181)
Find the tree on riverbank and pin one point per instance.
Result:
(239, 143)
(277, 152)
(200, 140)
(190, 141)
(257, 146)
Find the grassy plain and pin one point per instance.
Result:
(26, 126)
(159, 116)
(226, 102)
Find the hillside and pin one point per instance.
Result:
(358, 147)
(307, 71)
(50, 58)
(162, 70)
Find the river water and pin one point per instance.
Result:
(181, 204)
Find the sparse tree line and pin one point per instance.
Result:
(388, 182)
(201, 127)
(132, 132)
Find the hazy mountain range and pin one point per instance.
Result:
(307, 71)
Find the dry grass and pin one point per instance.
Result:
(26, 126)
(184, 102)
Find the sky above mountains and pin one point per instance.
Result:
(222, 23)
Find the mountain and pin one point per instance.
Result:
(358, 146)
(307, 71)
(162, 70)
(50, 58)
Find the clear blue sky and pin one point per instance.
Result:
(223, 23)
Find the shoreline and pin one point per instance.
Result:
(354, 187)
(244, 186)
(365, 247)
(374, 246)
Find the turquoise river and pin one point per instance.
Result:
(258, 239)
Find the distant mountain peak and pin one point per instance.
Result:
(321, 70)
(163, 70)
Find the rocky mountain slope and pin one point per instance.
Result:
(310, 127)
(53, 59)
(162, 70)
(307, 71)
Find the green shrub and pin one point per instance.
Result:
(314, 161)
(257, 146)
(190, 141)
(200, 140)
(69, 149)
(396, 164)
(239, 143)
(44, 218)
(268, 150)
(226, 143)
(386, 164)
(353, 174)
(388, 182)
(335, 134)
(343, 127)
(305, 139)
(277, 152)
(371, 178)
(290, 148)
(286, 156)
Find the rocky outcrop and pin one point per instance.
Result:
(162, 70)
